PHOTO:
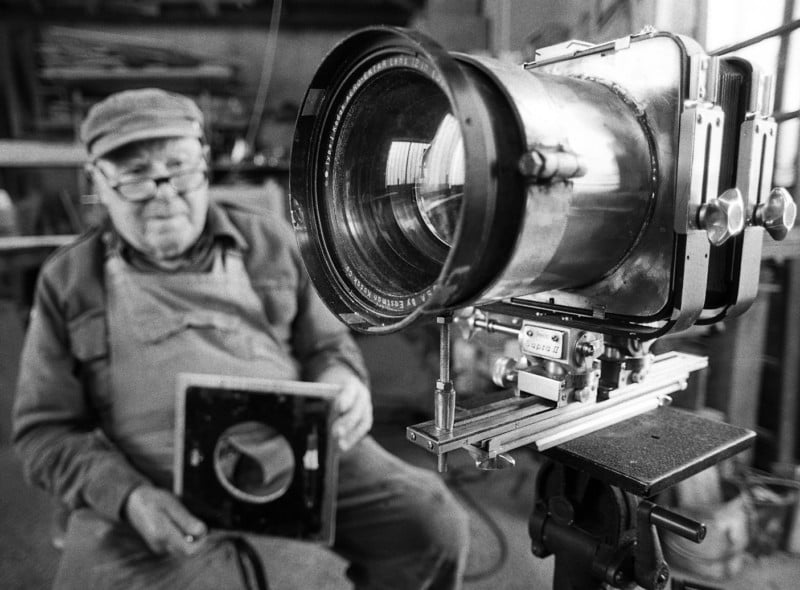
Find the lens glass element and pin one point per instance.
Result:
(395, 183)
(440, 185)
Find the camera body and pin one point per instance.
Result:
(669, 87)
(585, 203)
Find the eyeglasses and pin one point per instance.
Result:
(140, 189)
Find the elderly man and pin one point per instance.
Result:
(172, 283)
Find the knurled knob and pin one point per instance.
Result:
(777, 214)
(504, 371)
(723, 217)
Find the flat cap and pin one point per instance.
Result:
(134, 115)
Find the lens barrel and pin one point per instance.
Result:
(407, 193)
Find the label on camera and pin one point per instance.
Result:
(543, 342)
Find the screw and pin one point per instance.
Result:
(412, 436)
(430, 444)
(531, 164)
(195, 457)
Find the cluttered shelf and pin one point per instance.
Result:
(73, 68)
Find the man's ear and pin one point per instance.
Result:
(91, 171)
(207, 153)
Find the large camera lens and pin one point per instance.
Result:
(407, 194)
(398, 158)
(395, 182)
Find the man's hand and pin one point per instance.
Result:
(163, 522)
(354, 406)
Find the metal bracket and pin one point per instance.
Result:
(756, 159)
(698, 161)
(503, 426)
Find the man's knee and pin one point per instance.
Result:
(416, 537)
(441, 519)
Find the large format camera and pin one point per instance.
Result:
(585, 203)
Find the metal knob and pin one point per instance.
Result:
(777, 214)
(723, 217)
(504, 371)
(551, 162)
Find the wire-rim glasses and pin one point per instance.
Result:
(143, 188)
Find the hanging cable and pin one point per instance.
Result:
(251, 569)
(266, 75)
(456, 479)
(782, 30)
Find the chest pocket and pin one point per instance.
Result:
(279, 298)
(157, 328)
(88, 336)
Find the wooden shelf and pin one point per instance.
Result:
(20, 153)
(267, 169)
(108, 80)
(17, 244)
(25, 252)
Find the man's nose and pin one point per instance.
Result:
(164, 189)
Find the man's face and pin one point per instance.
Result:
(166, 221)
